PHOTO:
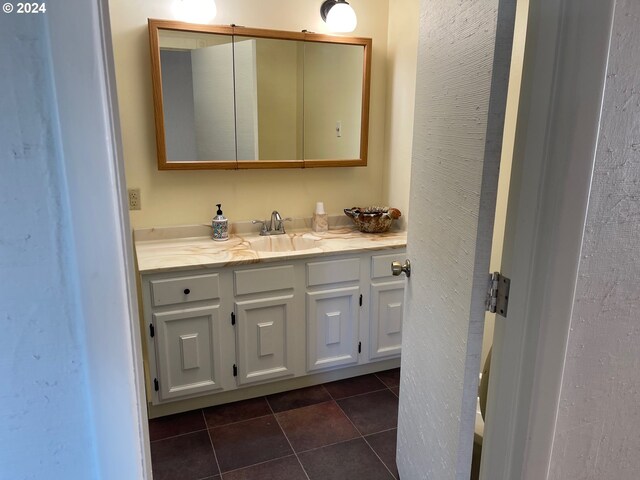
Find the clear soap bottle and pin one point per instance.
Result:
(320, 220)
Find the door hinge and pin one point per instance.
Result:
(498, 294)
(156, 385)
(152, 330)
(359, 347)
(235, 370)
(233, 318)
(360, 299)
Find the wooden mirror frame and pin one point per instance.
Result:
(163, 164)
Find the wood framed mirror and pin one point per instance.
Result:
(228, 97)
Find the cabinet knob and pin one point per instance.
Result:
(397, 268)
(187, 291)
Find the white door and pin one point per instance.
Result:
(464, 53)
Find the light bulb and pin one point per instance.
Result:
(342, 18)
(194, 11)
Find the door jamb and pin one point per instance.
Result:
(564, 73)
(91, 145)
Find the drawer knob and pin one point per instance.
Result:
(187, 291)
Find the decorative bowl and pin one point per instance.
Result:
(372, 219)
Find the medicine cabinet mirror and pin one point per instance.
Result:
(235, 97)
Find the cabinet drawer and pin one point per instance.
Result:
(333, 271)
(185, 289)
(267, 279)
(381, 264)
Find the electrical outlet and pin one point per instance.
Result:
(135, 202)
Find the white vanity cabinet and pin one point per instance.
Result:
(183, 331)
(218, 332)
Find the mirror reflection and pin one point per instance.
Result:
(332, 100)
(269, 98)
(262, 99)
(197, 96)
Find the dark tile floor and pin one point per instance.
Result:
(339, 430)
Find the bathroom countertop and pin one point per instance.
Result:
(185, 248)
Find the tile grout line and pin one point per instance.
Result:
(288, 441)
(239, 421)
(215, 455)
(365, 440)
(178, 435)
(347, 416)
(330, 445)
(360, 394)
(376, 454)
(256, 464)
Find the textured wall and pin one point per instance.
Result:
(598, 425)
(44, 415)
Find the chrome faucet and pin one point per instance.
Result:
(273, 227)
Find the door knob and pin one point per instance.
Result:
(397, 268)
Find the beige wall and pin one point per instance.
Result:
(279, 99)
(170, 198)
(401, 92)
(328, 100)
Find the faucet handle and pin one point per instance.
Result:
(281, 223)
(264, 225)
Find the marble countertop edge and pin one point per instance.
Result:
(163, 250)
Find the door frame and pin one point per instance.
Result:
(91, 148)
(528, 233)
(563, 78)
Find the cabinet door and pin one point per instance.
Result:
(332, 328)
(385, 329)
(187, 351)
(264, 339)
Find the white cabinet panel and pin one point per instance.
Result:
(265, 279)
(332, 328)
(185, 289)
(333, 271)
(187, 351)
(264, 339)
(385, 334)
(381, 264)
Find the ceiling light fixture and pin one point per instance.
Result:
(338, 15)
(194, 11)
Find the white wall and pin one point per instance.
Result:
(45, 418)
(172, 197)
(598, 425)
(214, 106)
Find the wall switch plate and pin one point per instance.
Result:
(135, 203)
(338, 128)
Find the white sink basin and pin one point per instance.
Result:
(282, 243)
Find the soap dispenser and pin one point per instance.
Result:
(220, 225)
